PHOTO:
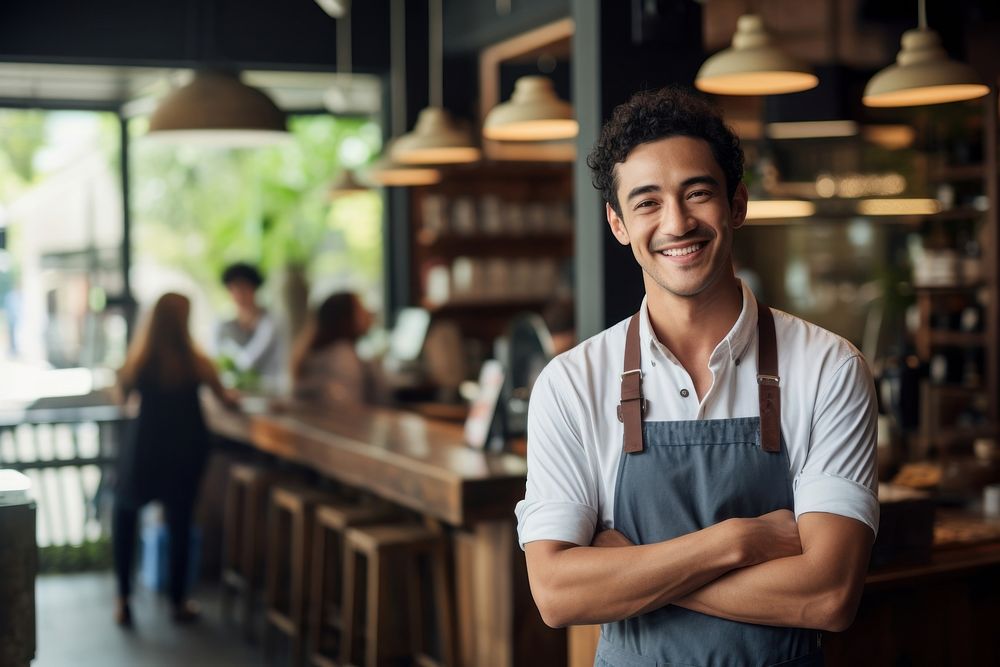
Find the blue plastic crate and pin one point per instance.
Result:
(154, 570)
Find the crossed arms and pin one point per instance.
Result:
(767, 570)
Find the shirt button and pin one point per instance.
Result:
(737, 362)
(653, 363)
(685, 393)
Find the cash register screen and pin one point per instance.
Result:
(409, 333)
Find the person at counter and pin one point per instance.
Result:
(326, 367)
(251, 342)
(673, 494)
(167, 445)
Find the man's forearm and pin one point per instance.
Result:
(818, 589)
(578, 585)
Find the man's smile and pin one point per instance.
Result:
(682, 250)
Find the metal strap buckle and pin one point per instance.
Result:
(768, 379)
(634, 370)
(642, 409)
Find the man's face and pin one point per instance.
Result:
(243, 294)
(676, 215)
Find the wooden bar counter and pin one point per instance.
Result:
(424, 465)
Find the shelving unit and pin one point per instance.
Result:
(490, 241)
(959, 405)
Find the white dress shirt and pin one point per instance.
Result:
(828, 420)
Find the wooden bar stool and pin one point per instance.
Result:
(289, 538)
(326, 582)
(243, 539)
(382, 563)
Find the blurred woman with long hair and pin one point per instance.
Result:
(165, 452)
(325, 363)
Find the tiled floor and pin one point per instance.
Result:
(76, 629)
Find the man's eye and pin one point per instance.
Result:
(645, 204)
(700, 194)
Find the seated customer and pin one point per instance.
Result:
(325, 364)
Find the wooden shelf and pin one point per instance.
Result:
(960, 172)
(957, 338)
(481, 245)
(956, 390)
(953, 436)
(935, 290)
(539, 243)
(960, 213)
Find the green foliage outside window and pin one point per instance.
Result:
(198, 209)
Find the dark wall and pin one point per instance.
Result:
(282, 33)
(470, 25)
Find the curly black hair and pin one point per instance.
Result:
(242, 272)
(652, 115)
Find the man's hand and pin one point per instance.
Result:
(770, 536)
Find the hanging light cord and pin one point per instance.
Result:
(922, 14)
(436, 51)
(397, 66)
(344, 44)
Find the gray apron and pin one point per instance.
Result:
(675, 478)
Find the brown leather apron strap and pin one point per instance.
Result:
(768, 381)
(633, 405)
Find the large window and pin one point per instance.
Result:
(197, 209)
(60, 251)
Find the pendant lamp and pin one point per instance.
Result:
(436, 138)
(217, 109)
(345, 184)
(386, 171)
(534, 113)
(753, 66)
(923, 73)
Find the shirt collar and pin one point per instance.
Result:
(735, 343)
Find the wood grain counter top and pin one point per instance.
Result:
(405, 458)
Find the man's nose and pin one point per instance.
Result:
(676, 219)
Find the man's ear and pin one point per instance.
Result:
(617, 224)
(738, 207)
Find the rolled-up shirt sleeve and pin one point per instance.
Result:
(840, 472)
(560, 500)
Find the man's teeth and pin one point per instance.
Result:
(686, 250)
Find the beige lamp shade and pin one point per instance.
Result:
(346, 184)
(922, 74)
(435, 139)
(534, 113)
(217, 109)
(753, 66)
(392, 174)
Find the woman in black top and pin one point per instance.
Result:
(167, 445)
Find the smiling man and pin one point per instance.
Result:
(701, 476)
